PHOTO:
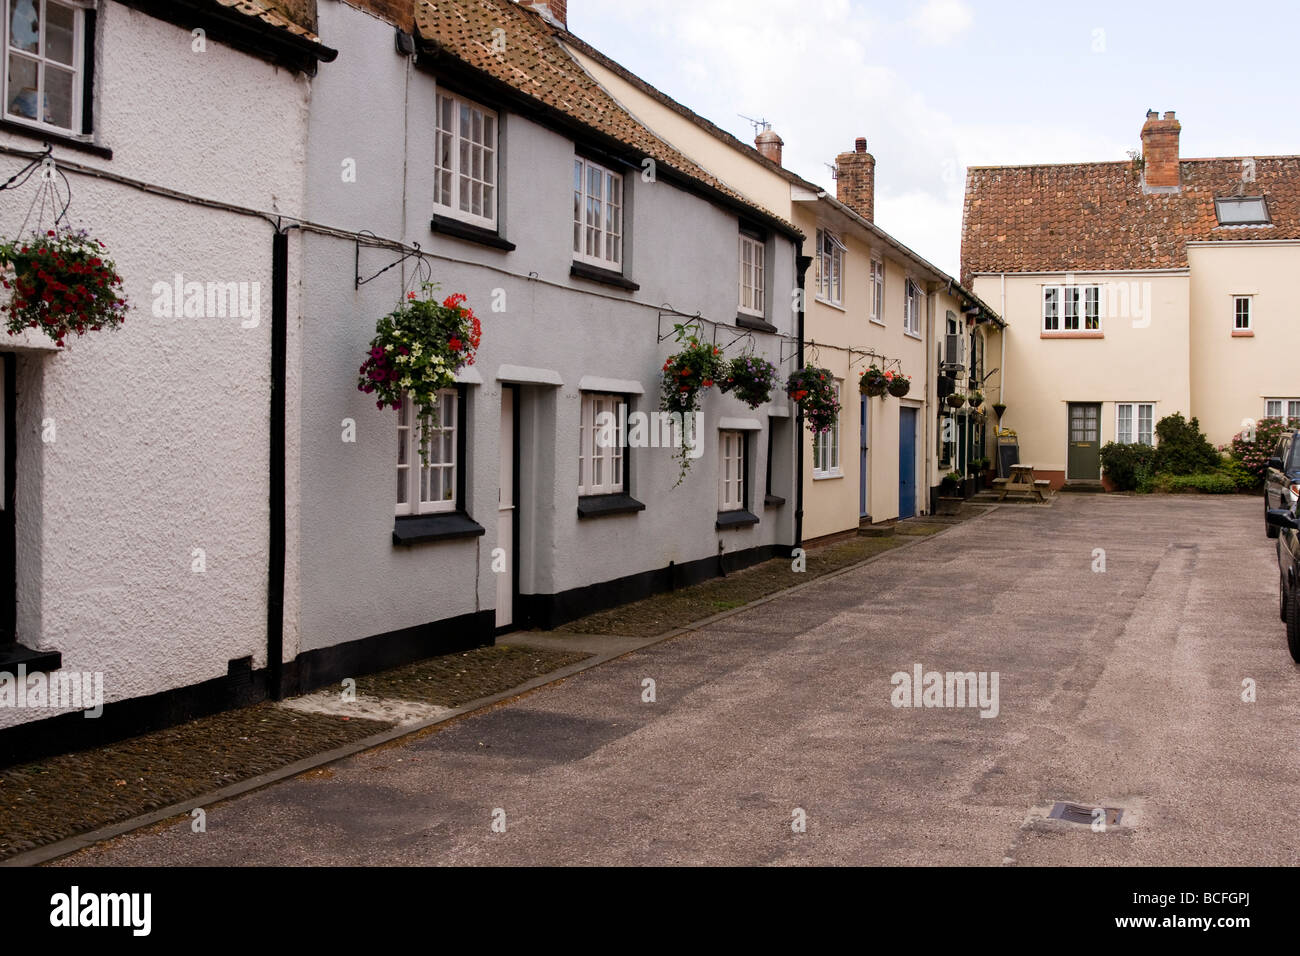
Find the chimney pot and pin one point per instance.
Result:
(861, 144)
(769, 145)
(1169, 115)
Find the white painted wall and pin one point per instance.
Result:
(162, 426)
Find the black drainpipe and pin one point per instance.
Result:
(275, 571)
(802, 264)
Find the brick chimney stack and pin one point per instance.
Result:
(1160, 165)
(770, 145)
(855, 180)
(553, 11)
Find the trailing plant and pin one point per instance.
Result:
(60, 283)
(874, 382)
(688, 374)
(751, 377)
(813, 390)
(1253, 452)
(417, 350)
(955, 401)
(899, 384)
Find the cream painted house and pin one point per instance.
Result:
(868, 299)
(1134, 290)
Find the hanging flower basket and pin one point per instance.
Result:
(813, 390)
(899, 384)
(418, 349)
(874, 382)
(976, 399)
(999, 409)
(688, 374)
(60, 283)
(955, 401)
(750, 377)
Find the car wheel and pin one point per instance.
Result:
(1293, 624)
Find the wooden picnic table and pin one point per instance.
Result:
(1022, 481)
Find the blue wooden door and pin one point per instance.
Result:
(906, 462)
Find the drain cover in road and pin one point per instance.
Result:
(1078, 813)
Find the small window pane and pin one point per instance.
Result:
(22, 96)
(25, 25)
(59, 31)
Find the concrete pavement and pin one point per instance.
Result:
(1117, 688)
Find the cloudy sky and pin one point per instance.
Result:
(937, 85)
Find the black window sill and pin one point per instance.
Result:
(12, 655)
(598, 506)
(754, 322)
(447, 226)
(773, 501)
(736, 519)
(440, 527)
(580, 270)
(57, 139)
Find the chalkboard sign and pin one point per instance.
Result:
(1008, 455)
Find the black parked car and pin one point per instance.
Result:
(1285, 522)
(1282, 480)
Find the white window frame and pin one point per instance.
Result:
(610, 462)
(1135, 425)
(608, 210)
(826, 445)
(1288, 409)
(1237, 301)
(731, 471)
(752, 294)
(912, 299)
(411, 468)
(456, 200)
(77, 68)
(878, 291)
(829, 279)
(1072, 308)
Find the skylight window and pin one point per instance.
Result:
(1242, 211)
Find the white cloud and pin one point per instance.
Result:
(814, 69)
(940, 22)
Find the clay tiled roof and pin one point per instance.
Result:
(1097, 216)
(535, 63)
(266, 11)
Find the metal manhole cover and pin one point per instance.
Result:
(1077, 813)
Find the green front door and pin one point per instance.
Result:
(1084, 458)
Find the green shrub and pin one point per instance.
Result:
(1242, 476)
(1182, 449)
(1209, 483)
(1126, 465)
